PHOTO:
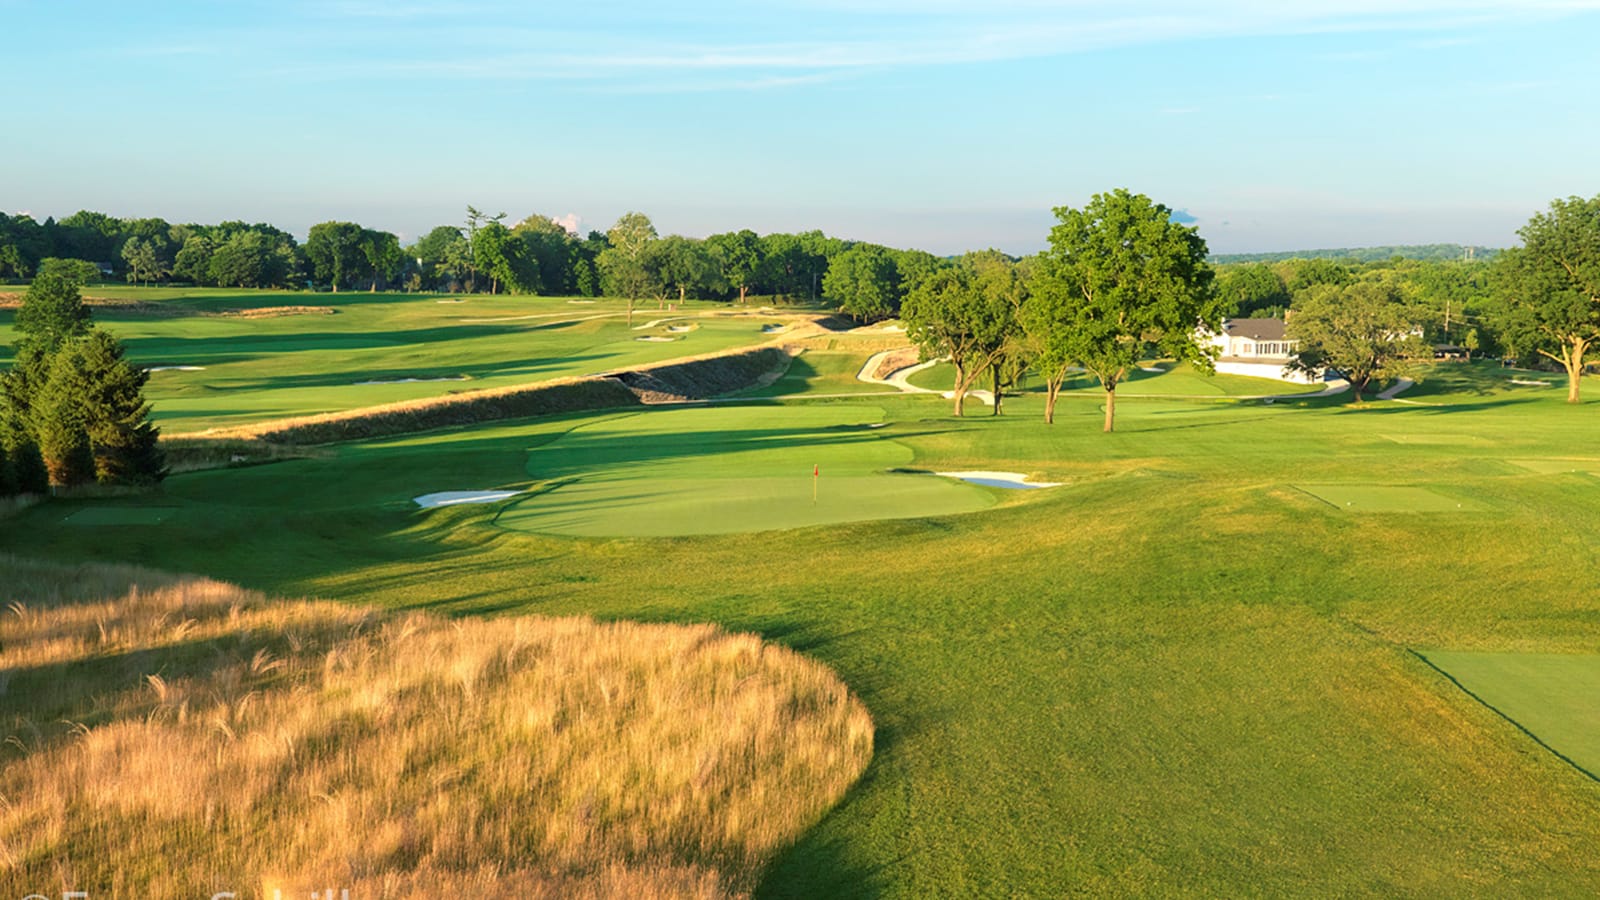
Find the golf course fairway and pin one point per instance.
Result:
(724, 470)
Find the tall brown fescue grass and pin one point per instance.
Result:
(169, 736)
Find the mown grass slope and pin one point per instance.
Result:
(1180, 674)
(428, 345)
(173, 736)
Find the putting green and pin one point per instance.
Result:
(722, 470)
(1555, 697)
(120, 515)
(1386, 498)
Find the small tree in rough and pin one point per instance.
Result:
(1359, 331)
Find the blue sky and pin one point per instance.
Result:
(930, 123)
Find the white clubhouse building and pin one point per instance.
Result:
(1258, 348)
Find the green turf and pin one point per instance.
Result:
(1555, 697)
(1168, 379)
(1558, 466)
(821, 372)
(258, 369)
(1179, 676)
(1368, 498)
(118, 515)
(715, 471)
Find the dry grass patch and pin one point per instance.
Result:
(173, 736)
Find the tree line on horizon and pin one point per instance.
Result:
(1358, 255)
(536, 255)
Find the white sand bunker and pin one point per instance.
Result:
(413, 380)
(1008, 480)
(774, 329)
(580, 301)
(457, 300)
(457, 498)
(655, 339)
(679, 329)
(1529, 382)
(176, 369)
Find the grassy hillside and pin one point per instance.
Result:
(169, 737)
(1181, 673)
(323, 358)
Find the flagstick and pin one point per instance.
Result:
(815, 473)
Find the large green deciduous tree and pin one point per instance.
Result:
(552, 249)
(1553, 287)
(864, 282)
(684, 265)
(1362, 332)
(738, 253)
(144, 260)
(383, 256)
(1251, 289)
(625, 263)
(52, 310)
(958, 313)
(334, 249)
(1122, 278)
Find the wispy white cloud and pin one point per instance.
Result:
(724, 45)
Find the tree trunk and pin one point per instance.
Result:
(994, 371)
(743, 289)
(630, 312)
(1051, 391)
(960, 391)
(1111, 408)
(681, 292)
(1574, 363)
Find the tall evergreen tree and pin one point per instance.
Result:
(116, 416)
(56, 419)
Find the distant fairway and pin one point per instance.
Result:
(254, 369)
(1554, 696)
(718, 471)
(1378, 498)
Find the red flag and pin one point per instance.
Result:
(816, 470)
